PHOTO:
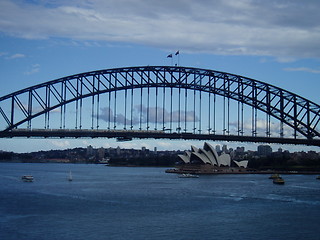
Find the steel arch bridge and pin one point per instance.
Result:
(160, 102)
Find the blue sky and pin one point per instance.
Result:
(274, 41)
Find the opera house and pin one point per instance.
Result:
(207, 160)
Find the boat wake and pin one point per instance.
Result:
(270, 197)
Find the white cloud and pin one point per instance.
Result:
(34, 69)
(154, 115)
(261, 129)
(236, 27)
(285, 59)
(16, 55)
(60, 143)
(303, 69)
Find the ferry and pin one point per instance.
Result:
(188, 175)
(274, 176)
(27, 178)
(278, 180)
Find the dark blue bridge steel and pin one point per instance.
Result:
(160, 102)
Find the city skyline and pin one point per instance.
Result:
(281, 48)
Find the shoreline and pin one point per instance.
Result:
(177, 171)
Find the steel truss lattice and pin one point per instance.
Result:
(293, 111)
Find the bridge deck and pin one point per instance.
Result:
(127, 135)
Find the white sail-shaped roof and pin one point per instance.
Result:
(243, 163)
(194, 149)
(199, 157)
(207, 147)
(224, 159)
(209, 155)
(184, 158)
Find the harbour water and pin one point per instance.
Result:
(147, 203)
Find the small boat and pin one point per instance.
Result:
(318, 177)
(188, 175)
(274, 176)
(70, 177)
(27, 178)
(278, 180)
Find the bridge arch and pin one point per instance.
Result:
(299, 114)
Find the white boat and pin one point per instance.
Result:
(27, 178)
(70, 177)
(188, 175)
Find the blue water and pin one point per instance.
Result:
(147, 203)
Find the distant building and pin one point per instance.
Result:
(225, 148)
(90, 151)
(218, 148)
(264, 150)
(118, 151)
(101, 153)
(240, 150)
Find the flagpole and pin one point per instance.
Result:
(178, 53)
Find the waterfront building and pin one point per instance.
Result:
(209, 156)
